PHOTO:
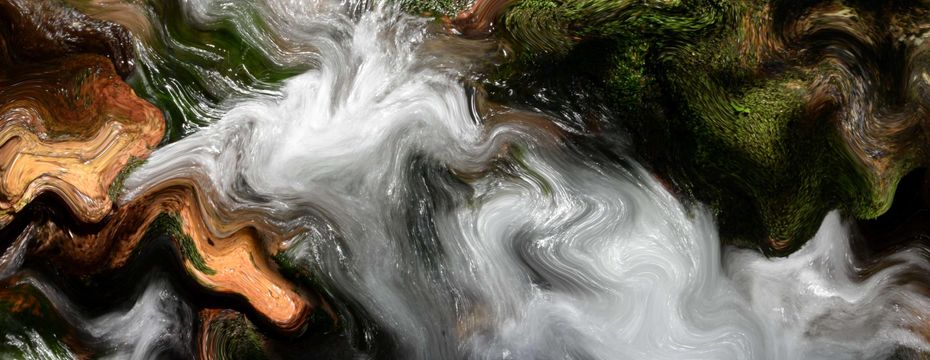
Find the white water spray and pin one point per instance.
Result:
(560, 256)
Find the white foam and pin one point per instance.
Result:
(157, 321)
(570, 258)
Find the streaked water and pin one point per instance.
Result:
(455, 235)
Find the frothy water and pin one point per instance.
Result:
(158, 322)
(462, 237)
(818, 304)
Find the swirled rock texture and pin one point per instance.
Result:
(69, 125)
(224, 258)
(226, 334)
(68, 122)
(74, 141)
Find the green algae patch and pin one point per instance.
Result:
(435, 8)
(117, 185)
(171, 223)
(187, 69)
(189, 250)
(234, 336)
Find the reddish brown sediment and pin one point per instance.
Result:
(68, 123)
(478, 21)
(45, 29)
(130, 15)
(241, 267)
(68, 127)
(756, 41)
(230, 257)
(17, 299)
(890, 132)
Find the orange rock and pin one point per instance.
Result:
(69, 127)
(225, 257)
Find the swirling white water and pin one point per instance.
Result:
(157, 322)
(466, 238)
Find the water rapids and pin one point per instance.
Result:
(438, 222)
(563, 256)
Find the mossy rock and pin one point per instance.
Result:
(730, 127)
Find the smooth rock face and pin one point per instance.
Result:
(532, 179)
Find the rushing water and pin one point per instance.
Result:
(432, 211)
(449, 233)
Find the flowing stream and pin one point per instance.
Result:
(445, 230)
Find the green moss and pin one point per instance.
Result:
(751, 139)
(730, 127)
(627, 79)
(117, 185)
(171, 224)
(555, 27)
(189, 250)
(237, 338)
(291, 269)
(286, 264)
(188, 69)
(448, 8)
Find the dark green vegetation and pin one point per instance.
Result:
(170, 223)
(188, 67)
(755, 108)
(117, 186)
(31, 327)
(433, 7)
(232, 336)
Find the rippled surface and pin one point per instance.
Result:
(445, 180)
